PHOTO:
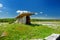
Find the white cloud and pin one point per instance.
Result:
(1, 5)
(41, 12)
(19, 11)
(36, 13)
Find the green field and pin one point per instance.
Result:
(15, 31)
(21, 31)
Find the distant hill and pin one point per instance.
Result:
(45, 19)
(7, 20)
(10, 20)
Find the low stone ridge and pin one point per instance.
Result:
(53, 37)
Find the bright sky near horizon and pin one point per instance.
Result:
(42, 8)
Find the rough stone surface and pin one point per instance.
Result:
(53, 37)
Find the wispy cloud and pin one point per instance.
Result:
(19, 11)
(36, 13)
(41, 12)
(1, 5)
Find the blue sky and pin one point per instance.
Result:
(43, 8)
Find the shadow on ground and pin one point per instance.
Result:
(35, 25)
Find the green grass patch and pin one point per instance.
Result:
(21, 31)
